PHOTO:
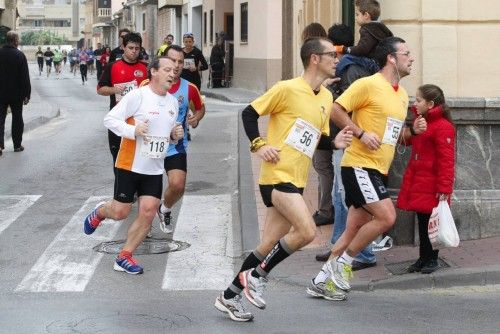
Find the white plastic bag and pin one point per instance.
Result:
(442, 230)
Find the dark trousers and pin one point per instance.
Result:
(426, 251)
(17, 122)
(83, 71)
(98, 67)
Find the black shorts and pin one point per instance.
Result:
(48, 63)
(176, 161)
(363, 186)
(57, 63)
(127, 183)
(267, 189)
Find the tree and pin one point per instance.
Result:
(41, 37)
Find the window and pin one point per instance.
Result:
(211, 26)
(244, 22)
(143, 21)
(205, 28)
(38, 23)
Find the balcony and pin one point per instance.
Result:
(103, 12)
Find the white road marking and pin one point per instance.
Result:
(205, 222)
(69, 261)
(13, 206)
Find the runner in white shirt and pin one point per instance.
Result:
(146, 120)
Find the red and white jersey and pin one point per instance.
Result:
(143, 154)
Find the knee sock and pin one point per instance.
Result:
(279, 252)
(252, 261)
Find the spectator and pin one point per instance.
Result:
(15, 89)
(217, 63)
(167, 41)
(430, 173)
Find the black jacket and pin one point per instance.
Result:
(370, 35)
(14, 75)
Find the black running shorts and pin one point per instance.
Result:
(127, 183)
(363, 186)
(176, 161)
(267, 189)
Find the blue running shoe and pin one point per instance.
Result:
(128, 265)
(92, 220)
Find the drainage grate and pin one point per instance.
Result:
(148, 246)
(401, 268)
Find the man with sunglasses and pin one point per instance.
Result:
(379, 107)
(298, 112)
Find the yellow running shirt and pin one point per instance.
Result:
(376, 107)
(287, 103)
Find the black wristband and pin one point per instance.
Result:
(361, 134)
(412, 130)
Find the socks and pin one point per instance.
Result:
(346, 259)
(322, 275)
(279, 252)
(164, 209)
(124, 253)
(252, 261)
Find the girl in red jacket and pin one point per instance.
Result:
(430, 173)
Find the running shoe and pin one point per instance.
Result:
(92, 220)
(127, 264)
(165, 221)
(326, 290)
(253, 288)
(340, 273)
(233, 307)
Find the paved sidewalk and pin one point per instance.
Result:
(474, 262)
(37, 112)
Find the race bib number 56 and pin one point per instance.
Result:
(303, 137)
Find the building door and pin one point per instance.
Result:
(229, 25)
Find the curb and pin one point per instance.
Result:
(447, 278)
(250, 235)
(231, 96)
(34, 122)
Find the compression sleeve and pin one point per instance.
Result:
(250, 122)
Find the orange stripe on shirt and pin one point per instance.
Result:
(126, 154)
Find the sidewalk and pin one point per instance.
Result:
(474, 262)
(35, 113)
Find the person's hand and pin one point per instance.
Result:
(343, 139)
(419, 125)
(443, 197)
(269, 153)
(119, 88)
(141, 129)
(330, 81)
(371, 140)
(177, 132)
(192, 120)
(26, 101)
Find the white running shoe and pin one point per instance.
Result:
(253, 288)
(233, 307)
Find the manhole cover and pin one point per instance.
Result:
(401, 268)
(148, 246)
(120, 323)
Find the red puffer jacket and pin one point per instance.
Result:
(431, 168)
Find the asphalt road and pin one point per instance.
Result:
(52, 281)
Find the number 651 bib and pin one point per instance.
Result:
(303, 137)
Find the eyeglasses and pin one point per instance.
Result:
(332, 54)
(407, 53)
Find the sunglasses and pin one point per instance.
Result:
(189, 34)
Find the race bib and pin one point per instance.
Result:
(303, 137)
(154, 147)
(48, 58)
(74, 58)
(392, 129)
(188, 62)
(97, 57)
(129, 86)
